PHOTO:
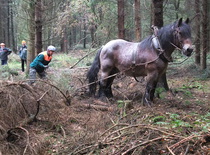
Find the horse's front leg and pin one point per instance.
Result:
(150, 90)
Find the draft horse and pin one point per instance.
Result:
(139, 59)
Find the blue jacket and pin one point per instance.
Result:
(23, 52)
(4, 53)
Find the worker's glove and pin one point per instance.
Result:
(46, 66)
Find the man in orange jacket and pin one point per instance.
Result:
(40, 63)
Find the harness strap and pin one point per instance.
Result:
(158, 47)
(134, 64)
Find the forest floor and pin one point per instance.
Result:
(47, 119)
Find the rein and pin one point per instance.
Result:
(178, 63)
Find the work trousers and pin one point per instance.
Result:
(32, 75)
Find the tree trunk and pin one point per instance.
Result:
(137, 20)
(74, 35)
(197, 33)
(13, 43)
(38, 27)
(8, 25)
(157, 13)
(84, 34)
(176, 6)
(31, 42)
(65, 41)
(121, 18)
(204, 32)
(158, 21)
(93, 28)
(1, 21)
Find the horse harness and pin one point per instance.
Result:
(157, 46)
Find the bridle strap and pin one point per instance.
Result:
(177, 39)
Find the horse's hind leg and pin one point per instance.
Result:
(107, 77)
(110, 80)
(103, 83)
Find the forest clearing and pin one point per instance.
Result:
(84, 43)
(47, 119)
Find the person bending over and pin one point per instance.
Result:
(40, 63)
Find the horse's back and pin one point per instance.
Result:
(118, 47)
(117, 54)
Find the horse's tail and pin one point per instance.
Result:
(92, 74)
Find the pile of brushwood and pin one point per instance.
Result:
(21, 107)
(41, 119)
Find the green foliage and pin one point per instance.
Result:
(206, 74)
(179, 123)
(160, 92)
(186, 89)
(6, 71)
(203, 121)
(62, 83)
(66, 61)
(194, 84)
(159, 119)
(173, 120)
(122, 104)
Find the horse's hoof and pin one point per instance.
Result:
(147, 103)
(173, 92)
(103, 98)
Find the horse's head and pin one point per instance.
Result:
(182, 37)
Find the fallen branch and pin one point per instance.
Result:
(96, 107)
(38, 104)
(170, 150)
(112, 128)
(143, 143)
(27, 142)
(183, 141)
(63, 131)
(82, 59)
(142, 126)
(68, 100)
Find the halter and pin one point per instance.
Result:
(177, 39)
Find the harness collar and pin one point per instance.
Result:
(165, 58)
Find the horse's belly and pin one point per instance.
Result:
(136, 72)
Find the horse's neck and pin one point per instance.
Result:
(166, 40)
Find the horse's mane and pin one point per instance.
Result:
(165, 35)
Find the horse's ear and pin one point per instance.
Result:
(179, 22)
(187, 21)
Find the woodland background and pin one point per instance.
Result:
(58, 117)
(71, 24)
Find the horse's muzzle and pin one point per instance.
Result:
(187, 50)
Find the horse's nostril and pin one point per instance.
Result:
(190, 50)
